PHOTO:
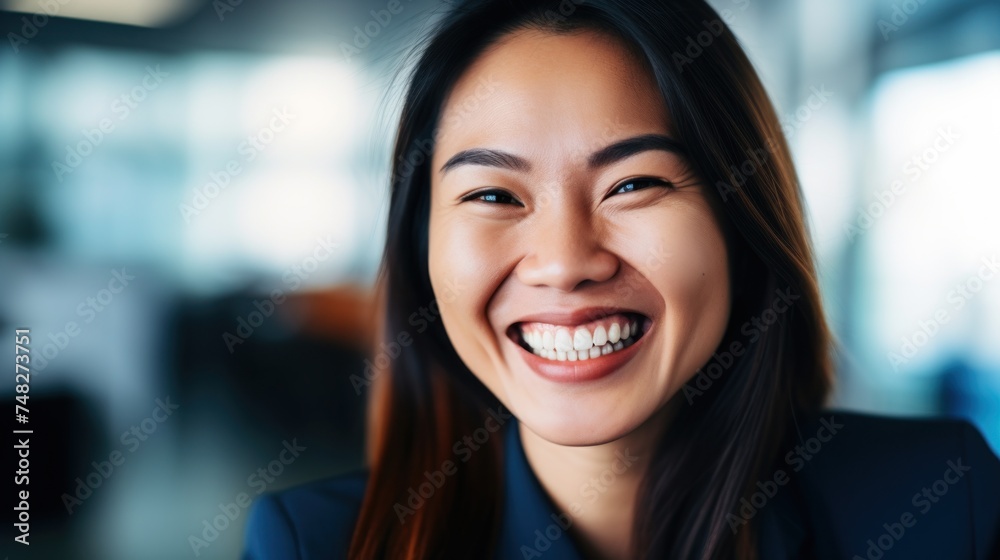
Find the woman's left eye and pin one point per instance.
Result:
(640, 183)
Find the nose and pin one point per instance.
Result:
(565, 250)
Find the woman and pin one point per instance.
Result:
(612, 342)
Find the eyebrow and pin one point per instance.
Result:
(605, 156)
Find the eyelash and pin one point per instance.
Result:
(653, 181)
(497, 193)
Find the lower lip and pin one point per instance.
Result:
(580, 370)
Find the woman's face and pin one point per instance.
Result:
(562, 221)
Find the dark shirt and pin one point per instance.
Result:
(856, 487)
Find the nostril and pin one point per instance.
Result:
(569, 268)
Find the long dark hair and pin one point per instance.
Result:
(738, 418)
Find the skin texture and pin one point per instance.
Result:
(561, 236)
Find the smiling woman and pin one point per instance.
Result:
(551, 227)
(592, 244)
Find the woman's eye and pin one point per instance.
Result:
(639, 184)
(493, 197)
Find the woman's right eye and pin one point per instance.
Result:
(493, 196)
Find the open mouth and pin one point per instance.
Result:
(586, 341)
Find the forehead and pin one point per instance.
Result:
(535, 89)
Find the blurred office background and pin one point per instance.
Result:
(192, 205)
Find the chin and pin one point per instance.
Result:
(582, 424)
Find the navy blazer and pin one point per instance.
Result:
(857, 487)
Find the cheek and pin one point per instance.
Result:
(684, 257)
(690, 269)
(464, 264)
(681, 251)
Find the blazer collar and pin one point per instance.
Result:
(532, 528)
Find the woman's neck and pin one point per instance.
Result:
(596, 487)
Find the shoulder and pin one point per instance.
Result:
(314, 520)
(867, 444)
(918, 484)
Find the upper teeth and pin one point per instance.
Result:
(573, 343)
